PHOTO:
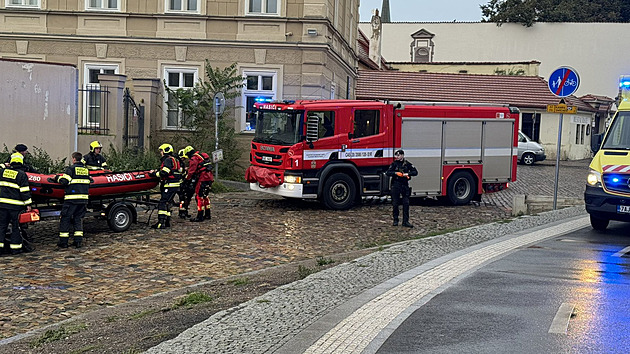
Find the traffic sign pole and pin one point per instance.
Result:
(555, 185)
(563, 82)
(219, 107)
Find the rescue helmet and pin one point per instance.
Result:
(188, 150)
(182, 154)
(95, 144)
(17, 158)
(167, 148)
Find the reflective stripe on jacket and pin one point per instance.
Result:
(94, 162)
(170, 172)
(77, 180)
(15, 192)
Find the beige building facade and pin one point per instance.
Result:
(285, 49)
(499, 68)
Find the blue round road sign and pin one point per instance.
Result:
(564, 81)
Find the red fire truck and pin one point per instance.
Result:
(337, 151)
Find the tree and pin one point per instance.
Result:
(527, 12)
(197, 106)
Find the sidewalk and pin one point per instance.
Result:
(317, 314)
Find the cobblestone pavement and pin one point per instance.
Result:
(539, 178)
(249, 231)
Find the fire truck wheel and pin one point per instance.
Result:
(120, 219)
(339, 192)
(599, 224)
(461, 188)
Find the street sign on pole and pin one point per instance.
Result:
(561, 108)
(219, 107)
(563, 82)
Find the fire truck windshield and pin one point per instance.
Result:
(279, 127)
(618, 137)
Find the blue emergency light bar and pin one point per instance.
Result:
(263, 99)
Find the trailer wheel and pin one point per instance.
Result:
(599, 224)
(120, 218)
(339, 192)
(461, 188)
(528, 159)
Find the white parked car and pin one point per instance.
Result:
(529, 151)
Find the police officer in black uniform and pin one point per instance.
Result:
(401, 171)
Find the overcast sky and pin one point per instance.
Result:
(425, 10)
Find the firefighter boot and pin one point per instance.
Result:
(183, 214)
(160, 224)
(78, 242)
(168, 221)
(199, 217)
(207, 215)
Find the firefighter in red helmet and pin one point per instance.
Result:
(200, 170)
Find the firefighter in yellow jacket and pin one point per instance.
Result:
(77, 180)
(15, 196)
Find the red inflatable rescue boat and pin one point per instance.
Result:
(106, 183)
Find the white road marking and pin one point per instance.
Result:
(622, 253)
(354, 333)
(560, 322)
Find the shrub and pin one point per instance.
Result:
(131, 159)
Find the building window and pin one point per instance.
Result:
(580, 131)
(183, 5)
(259, 7)
(178, 78)
(94, 118)
(259, 87)
(24, 3)
(102, 5)
(366, 123)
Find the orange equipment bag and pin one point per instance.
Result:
(29, 216)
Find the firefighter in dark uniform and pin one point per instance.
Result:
(77, 180)
(186, 189)
(401, 171)
(94, 161)
(22, 150)
(15, 196)
(200, 175)
(170, 174)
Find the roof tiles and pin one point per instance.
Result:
(518, 91)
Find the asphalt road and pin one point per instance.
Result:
(564, 294)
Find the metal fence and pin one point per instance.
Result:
(95, 111)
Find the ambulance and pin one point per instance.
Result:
(607, 194)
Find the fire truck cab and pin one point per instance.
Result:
(337, 151)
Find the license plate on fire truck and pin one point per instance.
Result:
(267, 158)
(623, 209)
